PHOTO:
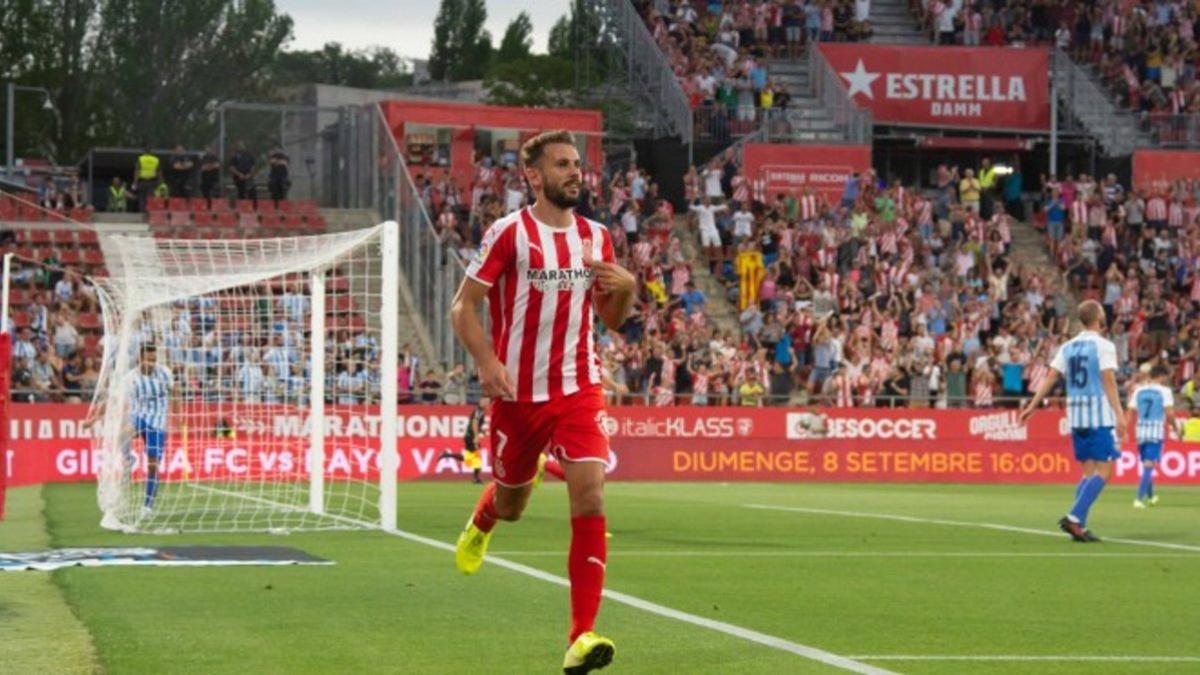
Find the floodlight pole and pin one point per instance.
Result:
(11, 89)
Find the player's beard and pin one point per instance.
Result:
(558, 196)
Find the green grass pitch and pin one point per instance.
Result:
(835, 573)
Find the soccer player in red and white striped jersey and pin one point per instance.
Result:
(544, 270)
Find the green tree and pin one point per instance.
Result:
(158, 67)
(475, 43)
(518, 39)
(446, 47)
(375, 68)
(539, 81)
(559, 43)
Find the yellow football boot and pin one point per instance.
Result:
(472, 545)
(587, 653)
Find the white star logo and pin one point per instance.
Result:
(860, 81)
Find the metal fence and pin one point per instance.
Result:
(855, 123)
(377, 178)
(1173, 131)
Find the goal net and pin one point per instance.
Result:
(227, 364)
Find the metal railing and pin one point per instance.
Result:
(855, 123)
(1092, 106)
(650, 77)
(721, 124)
(1173, 131)
(378, 179)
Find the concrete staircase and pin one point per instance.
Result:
(1029, 249)
(892, 24)
(1096, 108)
(807, 116)
(719, 311)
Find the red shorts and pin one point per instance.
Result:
(569, 427)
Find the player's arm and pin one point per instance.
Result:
(1109, 378)
(612, 385)
(464, 317)
(1040, 395)
(616, 284)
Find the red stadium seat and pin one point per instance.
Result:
(226, 219)
(177, 204)
(156, 204)
(306, 206)
(82, 214)
(64, 238)
(88, 238)
(266, 206)
(293, 221)
(91, 345)
(198, 204)
(20, 319)
(315, 223)
(247, 220)
(245, 206)
(204, 218)
(38, 237)
(158, 218)
(181, 218)
(93, 257)
(272, 220)
(220, 205)
(70, 256)
(286, 206)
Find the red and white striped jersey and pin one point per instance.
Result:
(1037, 375)
(1079, 210)
(843, 391)
(983, 394)
(759, 186)
(540, 302)
(1156, 208)
(808, 207)
(741, 189)
(1175, 214)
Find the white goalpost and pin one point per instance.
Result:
(249, 385)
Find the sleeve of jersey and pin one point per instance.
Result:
(1060, 361)
(496, 254)
(606, 247)
(1108, 355)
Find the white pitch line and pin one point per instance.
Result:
(820, 655)
(1023, 657)
(961, 523)
(856, 554)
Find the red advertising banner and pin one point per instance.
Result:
(976, 87)
(790, 168)
(1158, 169)
(680, 443)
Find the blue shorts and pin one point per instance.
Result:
(154, 440)
(1095, 444)
(1150, 451)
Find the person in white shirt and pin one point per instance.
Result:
(712, 182)
(706, 222)
(743, 223)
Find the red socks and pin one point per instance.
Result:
(555, 469)
(589, 554)
(485, 509)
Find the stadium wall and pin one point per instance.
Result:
(1158, 169)
(735, 444)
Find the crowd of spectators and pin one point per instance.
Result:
(1146, 52)
(719, 52)
(51, 360)
(1138, 253)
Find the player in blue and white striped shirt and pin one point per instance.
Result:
(1154, 406)
(149, 404)
(1088, 365)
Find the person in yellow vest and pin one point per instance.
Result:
(750, 271)
(987, 185)
(118, 196)
(750, 393)
(146, 176)
(968, 192)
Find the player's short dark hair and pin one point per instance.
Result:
(1090, 312)
(1159, 371)
(533, 148)
(150, 347)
